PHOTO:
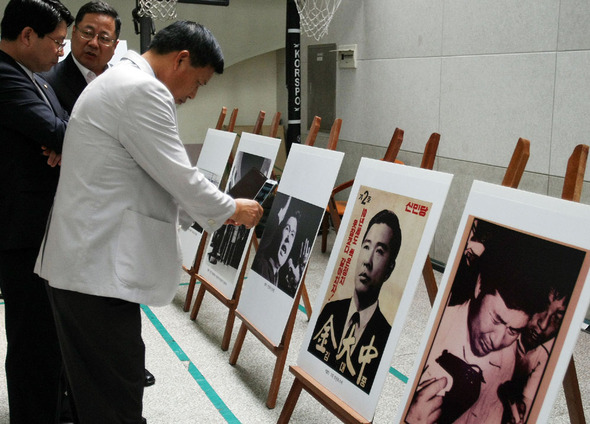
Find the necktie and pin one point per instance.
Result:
(355, 319)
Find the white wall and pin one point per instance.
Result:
(249, 86)
(481, 73)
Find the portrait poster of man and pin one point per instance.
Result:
(211, 162)
(505, 314)
(370, 280)
(288, 238)
(353, 326)
(226, 249)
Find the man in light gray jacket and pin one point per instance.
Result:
(126, 184)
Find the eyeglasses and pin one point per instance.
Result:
(89, 35)
(60, 45)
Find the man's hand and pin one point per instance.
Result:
(425, 407)
(53, 159)
(248, 213)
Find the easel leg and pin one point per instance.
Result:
(198, 301)
(290, 403)
(572, 394)
(325, 231)
(429, 280)
(194, 271)
(306, 301)
(229, 325)
(233, 358)
(277, 375)
(189, 293)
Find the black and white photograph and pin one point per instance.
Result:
(227, 245)
(212, 160)
(226, 251)
(286, 243)
(506, 305)
(501, 327)
(285, 246)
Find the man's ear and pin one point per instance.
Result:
(181, 56)
(390, 269)
(25, 35)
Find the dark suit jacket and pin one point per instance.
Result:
(27, 183)
(67, 81)
(377, 327)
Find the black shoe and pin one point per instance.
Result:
(150, 380)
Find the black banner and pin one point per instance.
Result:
(293, 67)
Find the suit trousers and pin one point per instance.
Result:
(34, 368)
(104, 355)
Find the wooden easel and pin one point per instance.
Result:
(310, 141)
(335, 405)
(279, 351)
(232, 120)
(332, 143)
(512, 177)
(194, 269)
(230, 303)
(572, 190)
(303, 380)
(336, 208)
(221, 118)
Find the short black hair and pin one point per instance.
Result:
(524, 269)
(511, 279)
(203, 48)
(390, 219)
(100, 8)
(41, 15)
(277, 235)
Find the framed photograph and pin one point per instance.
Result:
(508, 311)
(226, 249)
(371, 277)
(289, 236)
(212, 160)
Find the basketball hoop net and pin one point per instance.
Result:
(158, 9)
(315, 16)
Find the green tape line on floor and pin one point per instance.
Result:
(193, 370)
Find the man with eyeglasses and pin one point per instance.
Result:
(95, 36)
(32, 39)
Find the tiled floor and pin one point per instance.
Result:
(196, 384)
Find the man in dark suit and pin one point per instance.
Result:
(31, 119)
(350, 334)
(95, 36)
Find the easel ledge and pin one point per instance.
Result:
(303, 380)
